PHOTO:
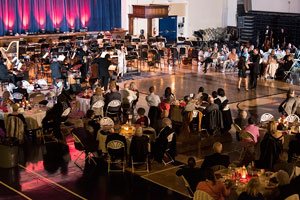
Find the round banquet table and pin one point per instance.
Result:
(33, 117)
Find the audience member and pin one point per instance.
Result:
(282, 164)
(253, 130)
(294, 149)
(214, 188)
(142, 119)
(153, 101)
(253, 191)
(216, 158)
(289, 105)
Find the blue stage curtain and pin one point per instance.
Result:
(35, 15)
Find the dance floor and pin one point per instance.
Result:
(48, 172)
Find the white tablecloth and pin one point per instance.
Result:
(33, 118)
(84, 103)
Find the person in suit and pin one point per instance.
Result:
(4, 75)
(103, 74)
(216, 158)
(114, 94)
(254, 69)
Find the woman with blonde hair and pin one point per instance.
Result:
(270, 146)
(252, 191)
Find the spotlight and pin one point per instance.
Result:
(43, 31)
(57, 30)
(73, 30)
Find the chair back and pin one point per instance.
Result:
(77, 143)
(116, 149)
(15, 128)
(266, 117)
(237, 127)
(292, 118)
(66, 112)
(106, 123)
(98, 104)
(139, 148)
(293, 197)
(201, 195)
(113, 105)
(115, 145)
(246, 136)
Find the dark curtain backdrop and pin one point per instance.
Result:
(34, 15)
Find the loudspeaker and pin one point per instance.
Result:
(75, 88)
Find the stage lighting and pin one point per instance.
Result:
(72, 30)
(43, 31)
(57, 30)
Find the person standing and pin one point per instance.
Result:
(55, 71)
(242, 66)
(254, 69)
(103, 74)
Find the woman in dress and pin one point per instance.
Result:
(242, 66)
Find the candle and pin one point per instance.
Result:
(244, 172)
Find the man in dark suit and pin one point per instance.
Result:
(254, 68)
(103, 74)
(216, 158)
(114, 94)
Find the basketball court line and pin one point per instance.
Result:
(54, 183)
(164, 186)
(16, 191)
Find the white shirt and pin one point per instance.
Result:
(153, 99)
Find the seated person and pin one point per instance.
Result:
(289, 105)
(88, 141)
(139, 146)
(253, 130)
(19, 93)
(164, 108)
(241, 121)
(294, 149)
(90, 124)
(216, 158)
(252, 191)
(211, 106)
(191, 173)
(142, 120)
(282, 164)
(214, 188)
(270, 147)
(284, 188)
(161, 142)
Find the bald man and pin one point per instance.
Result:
(216, 158)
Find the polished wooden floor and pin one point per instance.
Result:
(48, 172)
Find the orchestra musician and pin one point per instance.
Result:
(4, 75)
(55, 67)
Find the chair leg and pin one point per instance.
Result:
(78, 157)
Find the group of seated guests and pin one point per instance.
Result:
(204, 178)
(217, 102)
(273, 62)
